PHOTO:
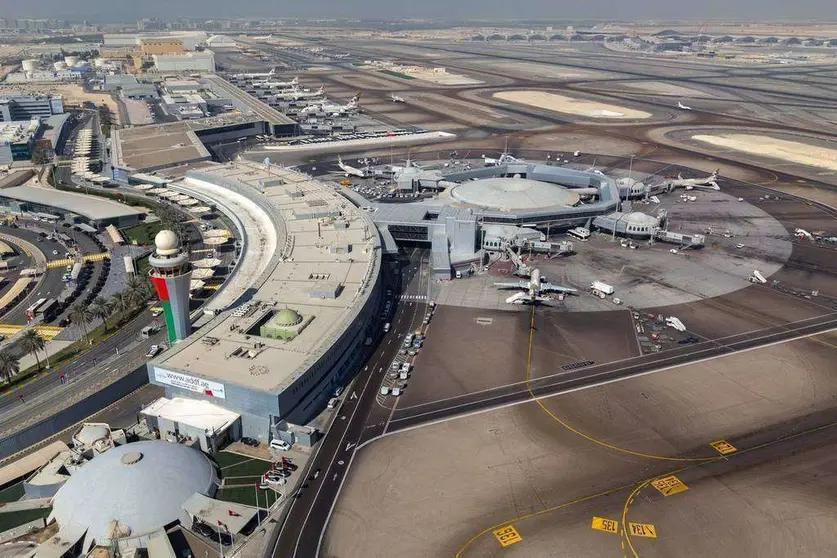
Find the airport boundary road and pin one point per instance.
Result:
(307, 518)
(485, 400)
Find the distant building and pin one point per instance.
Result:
(158, 45)
(189, 62)
(26, 107)
(17, 140)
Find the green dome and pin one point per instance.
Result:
(287, 318)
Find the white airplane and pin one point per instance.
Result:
(681, 106)
(671, 321)
(396, 99)
(331, 109)
(263, 37)
(532, 289)
(502, 160)
(802, 233)
(278, 84)
(757, 277)
(576, 153)
(691, 183)
(271, 73)
(350, 170)
(295, 94)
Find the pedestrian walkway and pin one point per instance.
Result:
(412, 297)
(46, 331)
(69, 261)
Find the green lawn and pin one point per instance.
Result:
(12, 520)
(398, 74)
(247, 471)
(12, 493)
(143, 233)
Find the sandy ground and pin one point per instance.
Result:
(539, 70)
(445, 78)
(73, 94)
(569, 105)
(663, 88)
(426, 492)
(766, 146)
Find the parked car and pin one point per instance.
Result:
(279, 445)
(153, 351)
(275, 479)
(252, 442)
(333, 402)
(338, 391)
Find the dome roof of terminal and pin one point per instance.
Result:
(287, 317)
(639, 218)
(140, 486)
(513, 193)
(166, 241)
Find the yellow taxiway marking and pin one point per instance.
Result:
(669, 486)
(643, 530)
(604, 524)
(723, 447)
(507, 535)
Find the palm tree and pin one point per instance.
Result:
(137, 289)
(9, 365)
(31, 342)
(122, 301)
(81, 315)
(101, 308)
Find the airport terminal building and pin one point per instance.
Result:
(311, 270)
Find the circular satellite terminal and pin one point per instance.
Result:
(166, 242)
(131, 457)
(507, 194)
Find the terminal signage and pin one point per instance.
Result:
(191, 383)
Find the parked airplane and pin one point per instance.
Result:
(802, 233)
(271, 73)
(691, 183)
(331, 109)
(502, 160)
(532, 289)
(295, 94)
(671, 321)
(277, 84)
(576, 153)
(350, 170)
(757, 277)
(396, 99)
(263, 37)
(681, 106)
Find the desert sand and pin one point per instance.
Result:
(766, 146)
(580, 107)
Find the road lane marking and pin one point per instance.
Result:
(643, 530)
(669, 486)
(723, 447)
(604, 524)
(507, 535)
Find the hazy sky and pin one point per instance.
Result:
(123, 10)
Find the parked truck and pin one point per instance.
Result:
(600, 289)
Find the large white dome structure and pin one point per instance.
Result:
(132, 491)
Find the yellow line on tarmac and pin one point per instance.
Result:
(574, 430)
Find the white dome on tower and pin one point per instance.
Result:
(167, 243)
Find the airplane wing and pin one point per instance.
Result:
(549, 287)
(512, 285)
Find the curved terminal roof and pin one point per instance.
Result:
(507, 194)
(142, 486)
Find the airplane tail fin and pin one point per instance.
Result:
(272, 71)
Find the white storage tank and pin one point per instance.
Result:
(59, 66)
(30, 65)
(71, 60)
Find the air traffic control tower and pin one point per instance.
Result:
(171, 276)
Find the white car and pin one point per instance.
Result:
(153, 351)
(55, 252)
(384, 390)
(279, 445)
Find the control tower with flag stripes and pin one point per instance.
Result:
(171, 276)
